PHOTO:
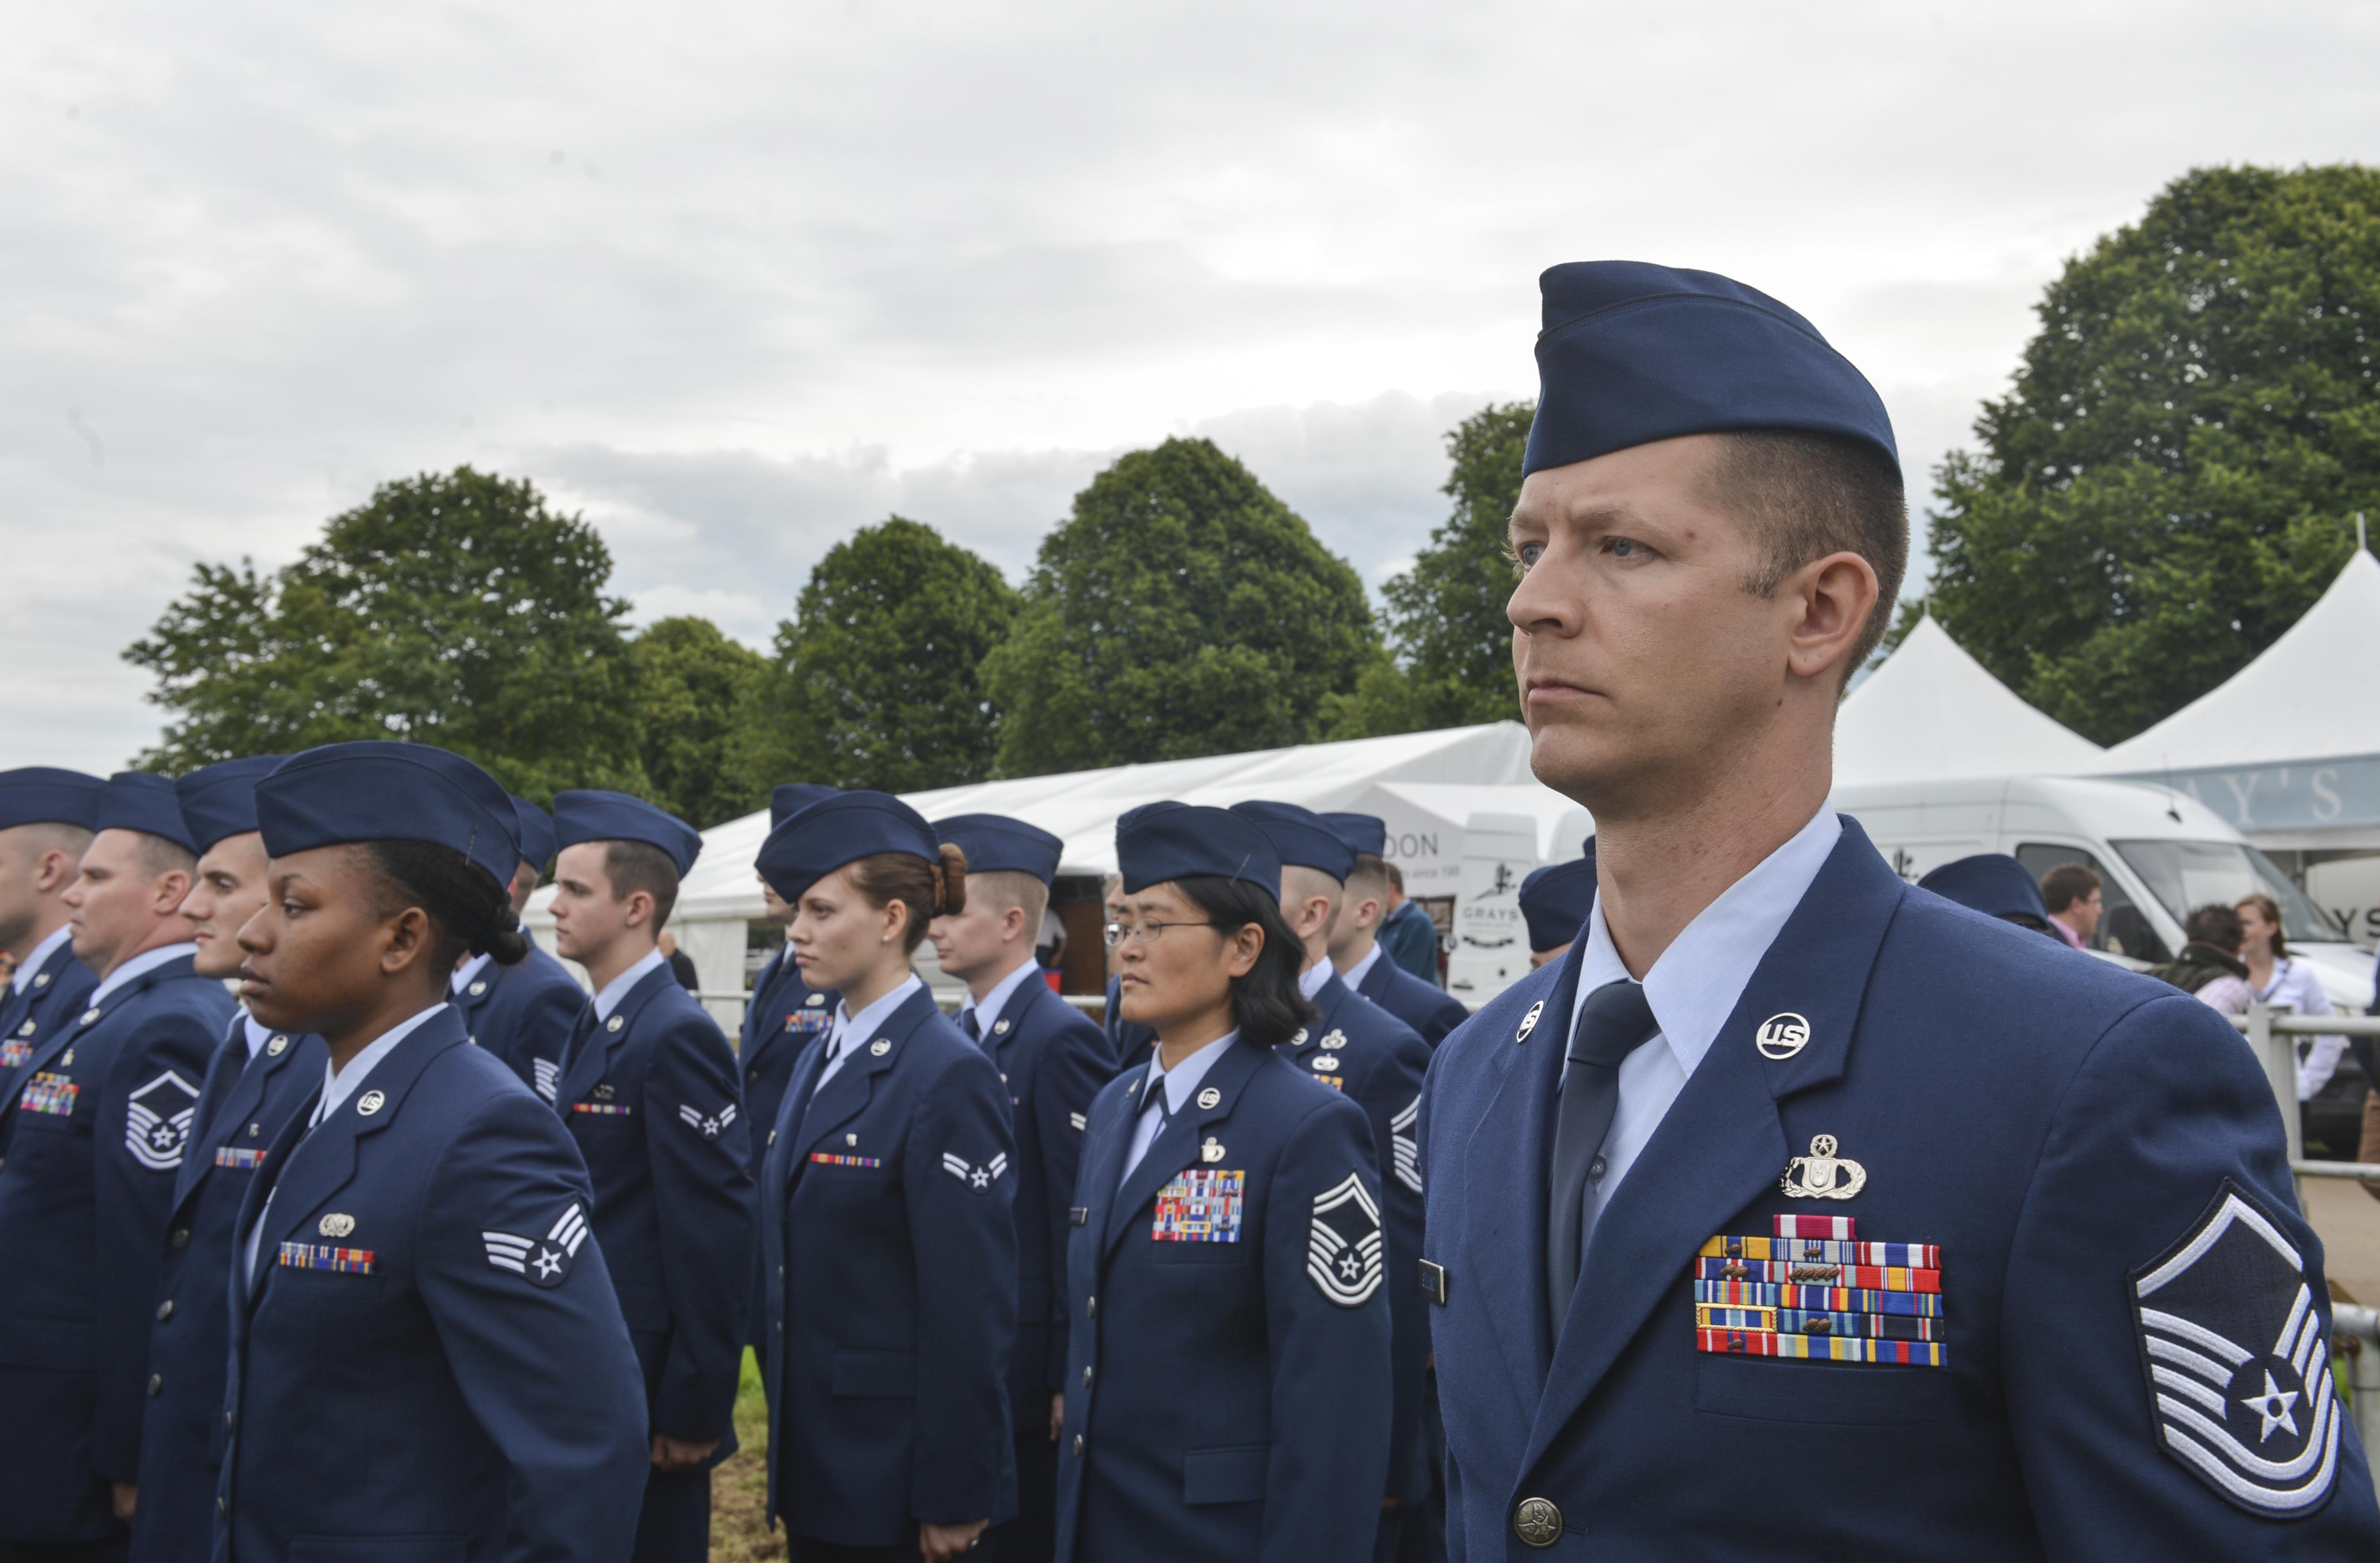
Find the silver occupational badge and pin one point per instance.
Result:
(1816, 1175)
(372, 1102)
(1298, 1040)
(1209, 1100)
(1212, 1150)
(89, 1016)
(851, 1141)
(815, 999)
(336, 1225)
(1529, 1020)
(1781, 1037)
(1334, 1038)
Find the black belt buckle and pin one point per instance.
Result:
(1433, 1283)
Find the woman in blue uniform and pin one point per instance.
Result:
(427, 1357)
(1228, 1388)
(890, 1252)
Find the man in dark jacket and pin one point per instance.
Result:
(2213, 953)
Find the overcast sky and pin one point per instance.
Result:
(735, 280)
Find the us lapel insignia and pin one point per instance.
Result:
(478, 987)
(90, 1015)
(1298, 1040)
(881, 1047)
(1781, 1037)
(278, 1047)
(615, 1023)
(336, 1225)
(1529, 1020)
(1822, 1174)
(1209, 1100)
(371, 1103)
(1000, 1028)
(42, 980)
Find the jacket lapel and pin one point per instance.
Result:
(92, 1015)
(1177, 1146)
(844, 1098)
(1722, 1143)
(758, 1008)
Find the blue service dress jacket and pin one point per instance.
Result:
(1410, 939)
(243, 1106)
(523, 1013)
(1377, 1061)
(891, 1264)
(1428, 1008)
(52, 995)
(1228, 1388)
(782, 1018)
(1052, 1063)
(1130, 1039)
(650, 1097)
(2059, 1302)
(428, 1365)
(96, 1131)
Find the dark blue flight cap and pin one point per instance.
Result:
(43, 795)
(376, 791)
(790, 798)
(134, 800)
(535, 830)
(1990, 882)
(1555, 900)
(843, 829)
(594, 815)
(994, 843)
(1633, 353)
(1367, 835)
(1177, 840)
(1303, 838)
(219, 801)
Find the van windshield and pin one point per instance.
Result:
(2188, 875)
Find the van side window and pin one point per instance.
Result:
(2123, 928)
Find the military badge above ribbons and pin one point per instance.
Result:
(1812, 1290)
(2236, 1347)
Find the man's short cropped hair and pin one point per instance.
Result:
(2217, 924)
(1396, 876)
(1003, 888)
(1369, 879)
(640, 866)
(2066, 884)
(161, 857)
(1808, 496)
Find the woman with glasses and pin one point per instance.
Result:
(1228, 1377)
(888, 1248)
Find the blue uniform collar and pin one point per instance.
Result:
(620, 986)
(139, 966)
(37, 958)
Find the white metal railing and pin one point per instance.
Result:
(2273, 1037)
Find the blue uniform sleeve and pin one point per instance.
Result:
(703, 1194)
(1074, 1069)
(141, 1134)
(961, 1187)
(538, 1345)
(544, 1031)
(2167, 1119)
(1390, 1094)
(1327, 1317)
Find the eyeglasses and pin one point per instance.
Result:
(1145, 931)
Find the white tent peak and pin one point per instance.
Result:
(2307, 696)
(1933, 712)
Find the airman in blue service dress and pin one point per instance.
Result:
(1952, 1244)
(427, 1357)
(1428, 1008)
(1228, 1390)
(258, 1079)
(96, 1131)
(889, 1248)
(649, 1093)
(49, 986)
(1555, 900)
(783, 1016)
(522, 1013)
(1053, 1062)
(1377, 1061)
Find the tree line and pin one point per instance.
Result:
(2169, 482)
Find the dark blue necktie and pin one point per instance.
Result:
(1613, 1023)
(967, 1023)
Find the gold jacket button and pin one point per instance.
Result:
(1538, 1523)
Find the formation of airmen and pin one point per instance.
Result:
(1782, 1210)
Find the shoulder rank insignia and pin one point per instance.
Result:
(545, 1075)
(157, 1121)
(705, 1126)
(544, 1261)
(978, 1180)
(1078, 1122)
(1342, 1249)
(2235, 1345)
(1822, 1174)
(1404, 1150)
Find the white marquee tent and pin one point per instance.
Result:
(1932, 713)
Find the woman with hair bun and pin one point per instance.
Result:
(427, 1356)
(889, 1251)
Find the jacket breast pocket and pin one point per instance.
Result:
(882, 1375)
(1235, 1474)
(1783, 1390)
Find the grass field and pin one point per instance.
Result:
(739, 1488)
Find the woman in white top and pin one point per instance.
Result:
(2276, 980)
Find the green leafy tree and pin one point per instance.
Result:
(699, 698)
(1445, 616)
(2173, 478)
(877, 679)
(452, 609)
(1181, 610)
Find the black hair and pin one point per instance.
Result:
(473, 914)
(1266, 1003)
(2217, 924)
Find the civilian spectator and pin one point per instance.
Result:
(2209, 964)
(2072, 893)
(681, 965)
(1408, 934)
(2289, 985)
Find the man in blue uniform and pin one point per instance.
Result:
(1377, 1061)
(649, 1091)
(46, 819)
(1555, 900)
(1053, 1061)
(1408, 934)
(1896, 1230)
(258, 1078)
(522, 1013)
(98, 1126)
(1994, 884)
(1355, 948)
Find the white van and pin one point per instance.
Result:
(2158, 855)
